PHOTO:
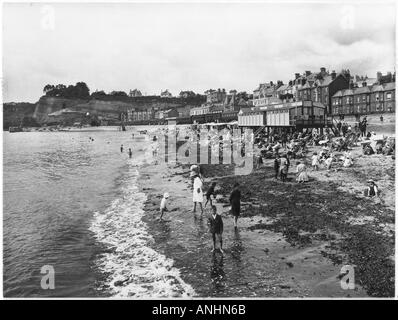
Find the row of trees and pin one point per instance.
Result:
(80, 90)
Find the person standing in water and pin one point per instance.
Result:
(163, 205)
(121, 148)
(234, 200)
(197, 193)
(209, 194)
(216, 228)
(130, 153)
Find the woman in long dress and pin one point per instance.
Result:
(197, 193)
(301, 171)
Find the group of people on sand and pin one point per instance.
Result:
(215, 221)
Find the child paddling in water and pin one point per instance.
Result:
(216, 227)
(210, 194)
(163, 205)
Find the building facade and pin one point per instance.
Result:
(363, 100)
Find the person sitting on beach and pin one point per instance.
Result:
(372, 189)
(216, 227)
(367, 150)
(234, 200)
(301, 171)
(315, 161)
(163, 205)
(210, 193)
(347, 159)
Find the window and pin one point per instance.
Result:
(388, 96)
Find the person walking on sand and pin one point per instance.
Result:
(130, 153)
(216, 227)
(209, 194)
(197, 193)
(283, 167)
(276, 166)
(315, 161)
(234, 200)
(163, 205)
(121, 148)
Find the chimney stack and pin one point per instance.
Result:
(378, 75)
(333, 74)
(364, 84)
(307, 73)
(297, 75)
(323, 70)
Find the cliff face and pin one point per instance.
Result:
(106, 109)
(47, 105)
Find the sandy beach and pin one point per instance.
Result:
(293, 239)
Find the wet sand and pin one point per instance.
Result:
(293, 239)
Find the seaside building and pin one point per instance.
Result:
(135, 93)
(141, 115)
(321, 87)
(206, 109)
(376, 98)
(165, 94)
(215, 96)
(265, 91)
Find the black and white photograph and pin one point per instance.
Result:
(189, 150)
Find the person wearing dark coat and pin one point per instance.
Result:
(216, 227)
(234, 200)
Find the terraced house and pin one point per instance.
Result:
(377, 98)
(320, 87)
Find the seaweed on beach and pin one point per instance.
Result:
(316, 211)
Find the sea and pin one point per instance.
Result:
(72, 203)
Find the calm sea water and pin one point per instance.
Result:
(74, 204)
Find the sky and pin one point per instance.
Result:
(188, 46)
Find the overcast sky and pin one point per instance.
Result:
(154, 47)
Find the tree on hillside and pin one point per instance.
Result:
(80, 90)
(48, 88)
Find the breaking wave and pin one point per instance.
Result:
(131, 267)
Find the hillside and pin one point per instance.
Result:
(56, 110)
(15, 114)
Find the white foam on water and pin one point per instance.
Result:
(132, 267)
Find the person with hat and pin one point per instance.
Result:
(163, 205)
(197, 193)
